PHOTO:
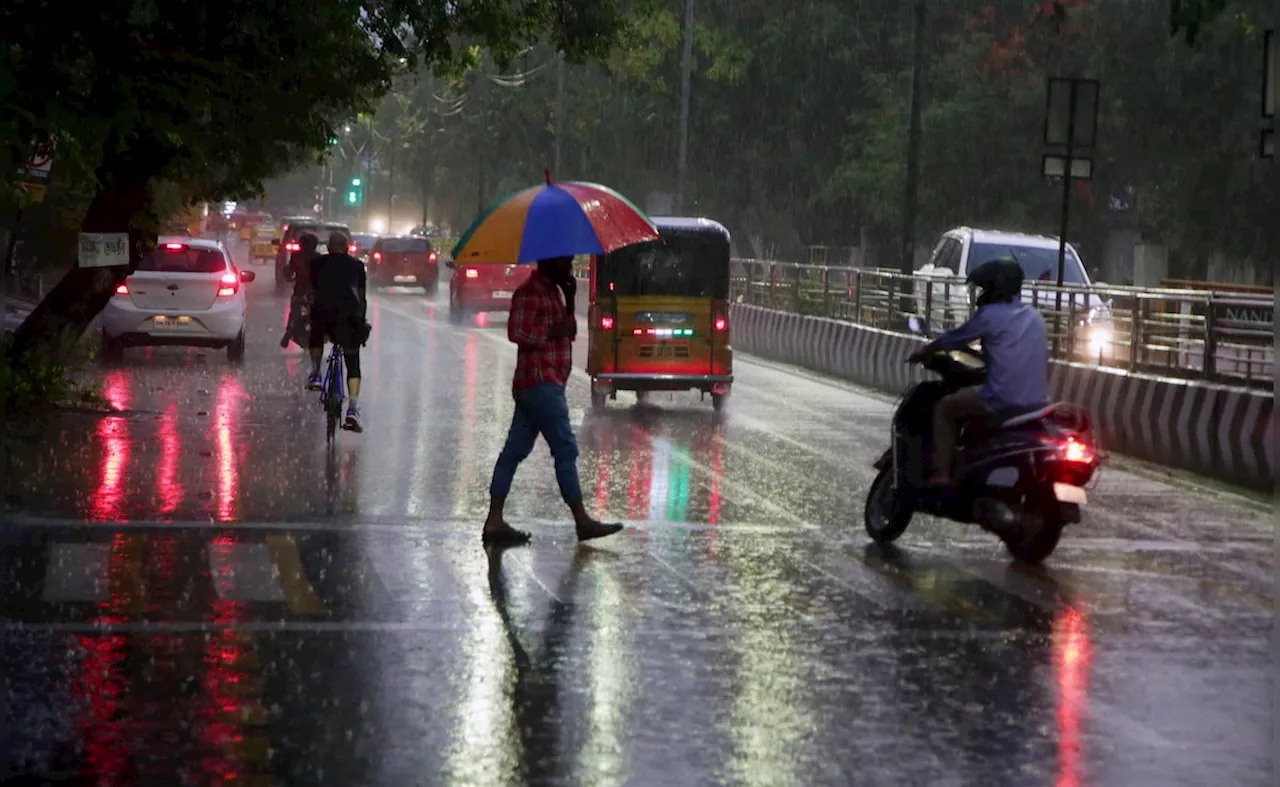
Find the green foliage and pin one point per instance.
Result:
(33, 383)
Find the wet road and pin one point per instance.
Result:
(197, 592)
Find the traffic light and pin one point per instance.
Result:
(355, 192)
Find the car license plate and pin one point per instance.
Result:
(1066, 493)
(406, 279)
(502, 294)
(163, 321)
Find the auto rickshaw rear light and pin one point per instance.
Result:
(122, 289)
(721, 324)
(472, 273)
(606, 322)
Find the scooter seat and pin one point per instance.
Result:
(1026, 417)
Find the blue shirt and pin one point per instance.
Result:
(1016, 348)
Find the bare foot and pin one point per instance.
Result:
(590, 528)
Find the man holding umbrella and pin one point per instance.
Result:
(543, 327)
(547, 224)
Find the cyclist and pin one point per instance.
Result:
(298, 268)
(339, 305)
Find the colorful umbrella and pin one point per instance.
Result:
(554, 220)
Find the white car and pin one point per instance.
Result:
(961, 250)
(186, 292)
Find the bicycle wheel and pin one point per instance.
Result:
(333, 394)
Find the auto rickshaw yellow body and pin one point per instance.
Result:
(659, 315)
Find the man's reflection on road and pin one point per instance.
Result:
(536, 688)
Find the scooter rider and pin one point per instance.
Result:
(1016, 349)
(298, 268)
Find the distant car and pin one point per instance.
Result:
(400, 260)
(289, 243)
(962, 249)
(363, 241)
(483, 288)
(186, 292)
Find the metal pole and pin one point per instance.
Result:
(1066, 212)
(686, 68)
(391, 187)
(556, 161)
(907, 263)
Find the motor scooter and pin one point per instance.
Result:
(1020, 475)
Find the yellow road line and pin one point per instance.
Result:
(293, 580)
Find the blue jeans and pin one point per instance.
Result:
(542, 410)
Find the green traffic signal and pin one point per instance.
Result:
(355, 192)
(352, 198)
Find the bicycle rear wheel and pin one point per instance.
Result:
(333, 395)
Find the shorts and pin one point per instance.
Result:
(343, 330)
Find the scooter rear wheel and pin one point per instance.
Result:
(885, 516)
(1037, 539)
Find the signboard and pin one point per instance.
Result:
(1071, 114)
(40, 164)
(103, 249)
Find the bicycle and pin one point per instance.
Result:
(333, 391)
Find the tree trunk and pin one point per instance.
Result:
(59, 321)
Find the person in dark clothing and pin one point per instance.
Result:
(298, 268)
(339, 305)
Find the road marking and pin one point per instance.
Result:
(244, 572)
(298, 591)
(77, 572)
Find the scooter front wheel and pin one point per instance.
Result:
(886, 516)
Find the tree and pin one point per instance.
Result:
(218, 97)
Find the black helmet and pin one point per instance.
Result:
(997, 280)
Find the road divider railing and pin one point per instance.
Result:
(1217, 337)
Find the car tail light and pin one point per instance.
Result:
(230, 283)
(377, 256)
(352, 248)
(174, 246)
(1075, 451)
(472, 273)
(291, 246)
(122, 289)
(431, 258)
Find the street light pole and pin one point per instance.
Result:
(559, 114)
(907, 261)
(686, 68)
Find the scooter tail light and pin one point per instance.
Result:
(122, 289)
(1077, 452)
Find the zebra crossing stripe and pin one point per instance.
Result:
(1218, 431)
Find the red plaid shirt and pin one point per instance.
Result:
(536, 306)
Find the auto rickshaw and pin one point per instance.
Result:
(265, 242)
(659, 315)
